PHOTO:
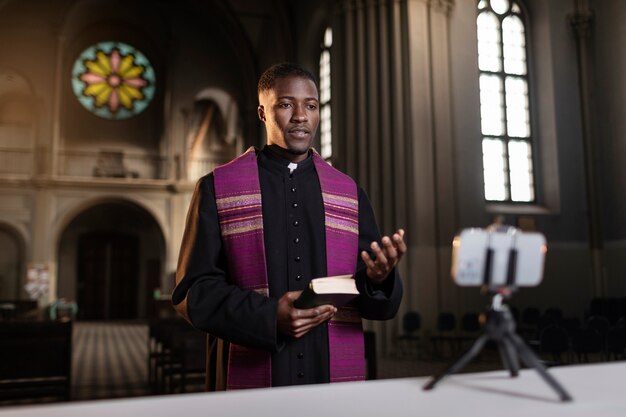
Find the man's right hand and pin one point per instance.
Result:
(295, 322)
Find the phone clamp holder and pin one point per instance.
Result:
(500, 327)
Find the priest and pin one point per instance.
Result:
(259, 229)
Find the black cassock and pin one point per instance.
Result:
(294, 236)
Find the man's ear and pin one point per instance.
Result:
(261, 112)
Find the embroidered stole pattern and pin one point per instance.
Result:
(341, 210)
(238, 198)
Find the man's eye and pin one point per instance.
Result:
(284, 105)
(311, 107)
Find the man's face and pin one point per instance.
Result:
(290, 111)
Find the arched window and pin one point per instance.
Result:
(326, 140)
(507, 140)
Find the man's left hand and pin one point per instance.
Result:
(385, 258)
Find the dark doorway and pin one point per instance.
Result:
(11, 264)
(110, 261)
(108, 266)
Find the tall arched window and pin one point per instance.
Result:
(326, 140)
(507, 140)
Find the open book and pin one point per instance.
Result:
(337, 290)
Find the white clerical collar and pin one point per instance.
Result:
(292, 167)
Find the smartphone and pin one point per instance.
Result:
(504, 257)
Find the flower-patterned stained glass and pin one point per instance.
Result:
(113, 80)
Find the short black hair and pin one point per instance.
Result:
(282, 70)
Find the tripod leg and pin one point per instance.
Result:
(460, 363)
(509, 356)
(529, 358)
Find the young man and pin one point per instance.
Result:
(260, 228)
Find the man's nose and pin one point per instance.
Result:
(299, 114)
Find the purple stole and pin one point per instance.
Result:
(238, 198)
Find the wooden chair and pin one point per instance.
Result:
(160, 356)
(407, 341)
(528, 327)
(446, 326)
(616, 343)
(470, 329)
(602, 325)
(554, 340)
(587, 341)
(187, 368)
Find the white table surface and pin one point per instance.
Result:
(598, 390)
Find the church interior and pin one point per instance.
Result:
(451, 114)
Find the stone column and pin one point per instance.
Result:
(44, 241)
(444, 163)
(50, 166)
(581, 22)
(392, 130)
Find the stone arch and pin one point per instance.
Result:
(111, 255)
(68, 214)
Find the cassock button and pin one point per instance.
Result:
(296, 223)
(297, 259)
(294, 205)
(300, 374)
(300, 355)
(298, 277)
(296, 240)
(293, 189)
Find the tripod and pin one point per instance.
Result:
(500, 327)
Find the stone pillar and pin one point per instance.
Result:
(581, 22)
(445, 216)
(49, 161)
(44, 241)
(392, 130)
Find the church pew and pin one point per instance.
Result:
(35, 360)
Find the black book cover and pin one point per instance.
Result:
(336, 291)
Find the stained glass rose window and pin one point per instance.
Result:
(113, 80)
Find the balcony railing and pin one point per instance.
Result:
(25, 162)
(16, 161)
(111, 164)
(199, 167)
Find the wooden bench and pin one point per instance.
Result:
(17, 309)
(35, 360)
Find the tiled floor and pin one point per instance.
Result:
(109, 360)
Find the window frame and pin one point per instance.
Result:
(508, 204)
(326, 104)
